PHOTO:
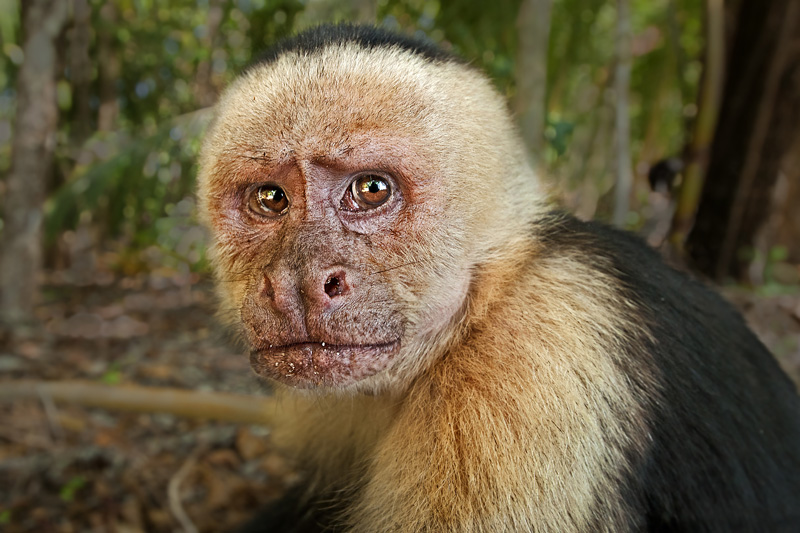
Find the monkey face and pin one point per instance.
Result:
(345, 230)
(320, 308)
(326, 294)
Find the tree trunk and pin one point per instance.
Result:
(31, 158)
(759, 120)
(709, 97)
(80, 70)
(787, 215)
(109, 68)
(533, 30)
(782, 227)
(205, 89)
(622, 82)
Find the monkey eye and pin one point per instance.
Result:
(368, 191)
(269, 200)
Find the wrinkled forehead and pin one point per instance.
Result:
(329, 96)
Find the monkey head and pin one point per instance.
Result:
(352, 206)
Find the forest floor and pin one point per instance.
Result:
(66, 468)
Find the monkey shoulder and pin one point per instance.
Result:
(722, 420)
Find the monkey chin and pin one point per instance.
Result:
(310, 365)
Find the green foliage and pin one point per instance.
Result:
(778, 254)
(10, 58)
(138, 188)
(667, 46)
(558, 134)
(464, 27)
(136, 184)
(113, 376)
(71, 488)
(162, 45)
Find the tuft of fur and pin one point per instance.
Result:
(553, 375)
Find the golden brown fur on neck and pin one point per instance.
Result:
(481, 433)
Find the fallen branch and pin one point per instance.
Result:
(208, 405)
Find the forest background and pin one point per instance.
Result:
(676, 119)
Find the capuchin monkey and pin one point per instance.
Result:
(452, 354)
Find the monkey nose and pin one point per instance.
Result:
(317, 292)
(280, 292)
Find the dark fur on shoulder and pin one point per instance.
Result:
(725, 428)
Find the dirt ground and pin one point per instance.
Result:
(65, 468)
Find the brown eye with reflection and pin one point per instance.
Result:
(370, 191)
(269, 200)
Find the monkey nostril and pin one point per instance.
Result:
(266, 288)
(335, 285)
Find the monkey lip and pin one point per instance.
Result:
(318, 364)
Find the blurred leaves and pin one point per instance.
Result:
(69, 490)
(140, 189)
(132, 184)
(667, 47)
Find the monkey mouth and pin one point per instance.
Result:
(308, 365)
